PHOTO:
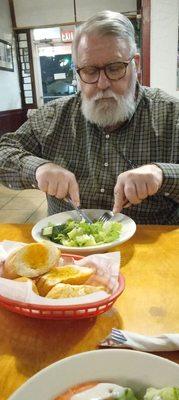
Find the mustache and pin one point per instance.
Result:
(105, 95)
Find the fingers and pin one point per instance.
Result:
(124, 196)
(127, 205)
(152, 187)
(52, 188)
(62, 190)
(134, 186)
(141, 190)
(73, 190)
(119, 197)
(69, 187)
(43, 185)
(131, 192)
(57, 181)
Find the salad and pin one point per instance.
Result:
(111, 391)
(81, 234)
(167, 393)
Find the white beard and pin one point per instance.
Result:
(114, 110)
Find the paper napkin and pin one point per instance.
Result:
(124, 339)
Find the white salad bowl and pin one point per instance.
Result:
(127, 231)
(137, 370)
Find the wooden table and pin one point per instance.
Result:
(148, 305)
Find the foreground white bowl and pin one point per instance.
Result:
(125, 367)
(128, 230)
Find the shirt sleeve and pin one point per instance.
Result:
(170, 185)
(170, 146)
(20, 152)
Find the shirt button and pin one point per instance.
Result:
(107, 136)
(167, 194)
(102, 190)
(33, 186)
(106, 164)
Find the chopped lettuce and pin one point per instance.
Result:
(127, 395)
(167, 393)
(81, 234)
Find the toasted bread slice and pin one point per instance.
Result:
(31, 260)
(24, 279)
(62, 290)
(71, 274)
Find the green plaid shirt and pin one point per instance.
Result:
(59, 133)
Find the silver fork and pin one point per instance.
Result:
(79, 210)
(106, 216)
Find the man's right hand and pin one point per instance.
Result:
(57, 181)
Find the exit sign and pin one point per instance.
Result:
(67, 35)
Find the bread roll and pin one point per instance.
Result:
(71, 274)
(24, 279)
(31, 260)
(62, 290)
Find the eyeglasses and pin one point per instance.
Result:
(113, 71)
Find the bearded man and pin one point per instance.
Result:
(113, 145)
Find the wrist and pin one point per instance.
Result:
(159, 174)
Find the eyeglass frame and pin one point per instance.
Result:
(99, 69)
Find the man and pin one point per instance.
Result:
(113, 145)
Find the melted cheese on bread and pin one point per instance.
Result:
(62, 290)
(71, 274)
(31, 260)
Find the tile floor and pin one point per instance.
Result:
(22, 206)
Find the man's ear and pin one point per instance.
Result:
(137, 62)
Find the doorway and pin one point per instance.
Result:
(54, 72)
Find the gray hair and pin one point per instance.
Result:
(106, 23)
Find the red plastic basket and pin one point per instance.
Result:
(79, 311)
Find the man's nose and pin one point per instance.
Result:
(103, 81)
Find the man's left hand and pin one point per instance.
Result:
(136, 185)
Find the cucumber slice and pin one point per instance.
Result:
(47, 231)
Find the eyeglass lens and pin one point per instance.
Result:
(113, 71)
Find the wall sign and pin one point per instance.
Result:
(67, 35)
(6, 58)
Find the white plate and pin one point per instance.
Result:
(125, 367)
(128, 230)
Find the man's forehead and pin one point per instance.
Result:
(108, 46)
(97, 40)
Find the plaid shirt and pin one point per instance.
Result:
(59, 133)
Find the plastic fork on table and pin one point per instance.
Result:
(79, 210)
(116, 339)
(118, 336)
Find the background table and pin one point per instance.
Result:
(148, 305)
